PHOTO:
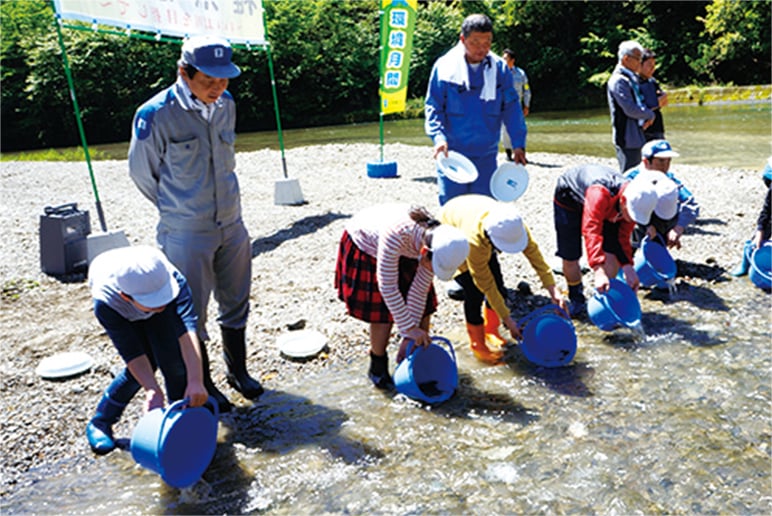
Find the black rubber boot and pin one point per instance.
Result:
(234, 347)
(379, 372)
(223, 404)
(99, 430)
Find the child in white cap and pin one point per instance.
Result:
(145, 306)
(598, 204)
(387, 258)
(491, 226)
(657, 155)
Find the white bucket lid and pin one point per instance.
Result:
(509, 182)
(457, 167)
(63, 365)
(301, 343)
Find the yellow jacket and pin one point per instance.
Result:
(467, 212)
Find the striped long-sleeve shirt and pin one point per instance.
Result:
(386, 232)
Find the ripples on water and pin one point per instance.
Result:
(677, 421)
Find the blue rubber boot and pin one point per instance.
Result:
(742, 268)
(99, 430)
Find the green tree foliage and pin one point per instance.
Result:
(736, 41)
(325, 55)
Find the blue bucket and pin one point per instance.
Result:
(178, 442)
(653, 264)
(760, 271)
(382, 169)
(549, 339)
(619, 306)
(429, 373)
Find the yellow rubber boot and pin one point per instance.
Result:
(492, 322)
(479, 348)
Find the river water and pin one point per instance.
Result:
(677, 422)
(717, 135)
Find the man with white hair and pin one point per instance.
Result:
(629, 114)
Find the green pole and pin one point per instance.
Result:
(276, 108)
(380, 80)
(71, 85)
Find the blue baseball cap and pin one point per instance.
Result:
(658, 149)
(767, 174)
(211, 55)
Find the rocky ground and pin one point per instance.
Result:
(294, 250)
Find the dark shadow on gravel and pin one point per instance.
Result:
(704, 271)
(276, 424)
(570, 380)
(425, 179)
(279, 422)
(697, 227)
(544, 165)
(298, 229)
(470, 402)
(699, 296)
(658, 324)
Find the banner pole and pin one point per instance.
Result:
(380, 79)
(276, 109)
(71, 85)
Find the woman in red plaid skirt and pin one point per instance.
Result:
(387, 258)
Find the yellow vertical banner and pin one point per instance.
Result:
(397, 24)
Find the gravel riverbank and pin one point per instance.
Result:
(294, 250)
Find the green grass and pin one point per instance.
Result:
(13, 289)
(64, 154)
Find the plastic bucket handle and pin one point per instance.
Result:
(435, 339)
(180, 405)
(555, 309)
(759, 276)
(603, 300)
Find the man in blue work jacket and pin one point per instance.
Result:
(470, 94)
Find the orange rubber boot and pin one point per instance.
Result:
(492, 322)
(479, 348)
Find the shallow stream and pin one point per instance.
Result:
(676, 422)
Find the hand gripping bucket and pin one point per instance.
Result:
(653, 264)
(429, 373)
(760, 270)
(178, 442)
(619, 306)
(549, 339)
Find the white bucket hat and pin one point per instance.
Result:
(449, 250)
(143, 274)
(667, 198)
(640, 195)
(667, 193)
(505, 228)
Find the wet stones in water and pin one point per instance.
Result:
(430, 388)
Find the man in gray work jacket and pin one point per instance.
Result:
(629, 115)
(182, 159)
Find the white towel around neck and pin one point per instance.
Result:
(452, 67)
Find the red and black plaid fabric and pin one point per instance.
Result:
(357, 284)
